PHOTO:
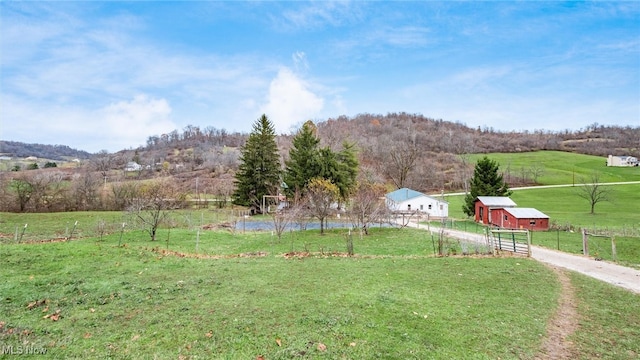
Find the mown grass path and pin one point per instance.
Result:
(563, 324)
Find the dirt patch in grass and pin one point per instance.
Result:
(563, 324)
(306, 254)
(165, 252)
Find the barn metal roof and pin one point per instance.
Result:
(526, 213)
(496, 201)
(405, 194)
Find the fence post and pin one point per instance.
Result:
(585, 242)
(73, 230)
(121, 232)
(528, 243)
(613, 248)
(22, 234)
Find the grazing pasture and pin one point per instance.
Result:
(558, 167)
(80, 285)
(232, 295)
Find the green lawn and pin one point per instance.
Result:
(609, 326)
(565, 206)
(234, 295)
(569, 212)
(90, 298)
(130, 301)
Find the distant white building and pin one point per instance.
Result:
(132, 166)
(407, 200)
(622, 161)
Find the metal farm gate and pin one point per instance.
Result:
(517, 241)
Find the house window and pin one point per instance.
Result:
(422, 207)
(441, 207)
(506, 217)
(532, 222)
(429, 206)
(481, 213)
(409, 207)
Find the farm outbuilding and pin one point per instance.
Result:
(503, 212)
(519, 218)
(407, 200)
(486, 204)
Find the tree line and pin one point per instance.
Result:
(392, 151)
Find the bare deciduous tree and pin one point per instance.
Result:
(321, 195)
(399, 161)
(103, 162)
(22, 189)
(594, 192)
(123, 194)
(153, 203)
(85, 191)
(367, 205)
(536, 170)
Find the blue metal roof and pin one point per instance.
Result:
(403, 194)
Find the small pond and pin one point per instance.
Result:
(250, 225)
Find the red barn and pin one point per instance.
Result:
(502, 212)
(519, 218)
(486, 204)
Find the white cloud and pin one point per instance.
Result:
(119, 125)
(132, 122)
(300, 61)
(290, 101)
(319, 14)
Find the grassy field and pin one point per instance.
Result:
(90, 298)
(565, 207)
(562, 167)
(567, 210)
(609, 326)
(244, 295)
(569, 213)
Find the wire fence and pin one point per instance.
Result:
(626, 239)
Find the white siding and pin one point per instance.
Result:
(425, 204)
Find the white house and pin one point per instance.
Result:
(407, 200)
(133, 166)
(622, 161)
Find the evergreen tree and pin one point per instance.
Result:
(259, 170)
(340, 168)
(348, 170)
(304, 159)
(486, 181)
(307, 161)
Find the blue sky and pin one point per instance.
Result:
(107, 75)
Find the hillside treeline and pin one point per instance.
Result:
(53, 152)
(396, 150)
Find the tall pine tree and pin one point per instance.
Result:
(486, 181)
(304, 159)
(307, 161)
(260, 169)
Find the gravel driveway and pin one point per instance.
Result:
(618, 275)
